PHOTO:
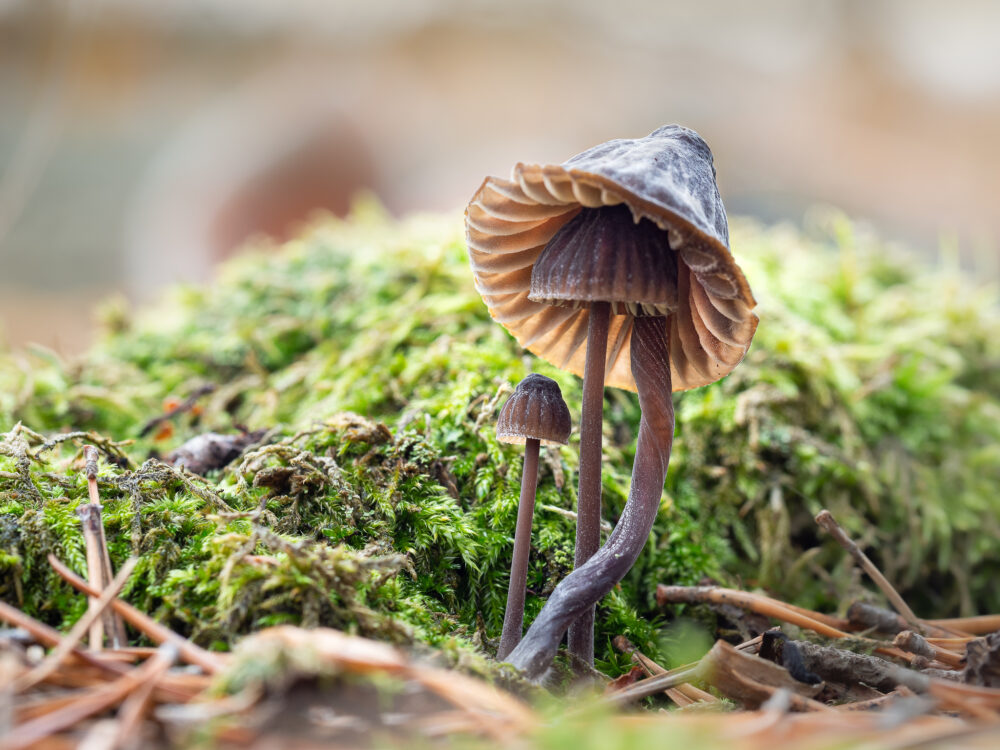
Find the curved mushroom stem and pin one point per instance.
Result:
(513, 619)
(586, 585)
(588, 504)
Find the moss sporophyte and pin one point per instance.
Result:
(624, 246)
(874, 395)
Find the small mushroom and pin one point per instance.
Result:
(534, 414)
(632, 230)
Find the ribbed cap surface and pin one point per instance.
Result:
(668, 178)
(535, 410)
(605, 255)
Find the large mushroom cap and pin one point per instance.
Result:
(667, 177)
(535, 410)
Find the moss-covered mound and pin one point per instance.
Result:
(380, 500)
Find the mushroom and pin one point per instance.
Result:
(534, 414)
(635, 230)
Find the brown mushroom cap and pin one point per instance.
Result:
(603, 255)
(668, 178)
(535, 410)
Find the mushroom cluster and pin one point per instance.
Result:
(614, 265)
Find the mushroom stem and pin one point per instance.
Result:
(587, 584)
(513, 619)
(588, 504)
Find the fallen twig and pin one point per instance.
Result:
(837, 665)
(865, 616)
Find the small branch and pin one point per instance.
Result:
(847, 667)
(825, 519)
(917, 644)
(864, 616)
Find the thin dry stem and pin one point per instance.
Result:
(99, 569)
(825, 519)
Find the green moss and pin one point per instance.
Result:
(872, 389)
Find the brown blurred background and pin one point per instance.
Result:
(142, 141)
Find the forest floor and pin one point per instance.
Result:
(308, 517)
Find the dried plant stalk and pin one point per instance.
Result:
(825, 519)
(111, 621)
(90, 517)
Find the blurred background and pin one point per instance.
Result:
(142, 141)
